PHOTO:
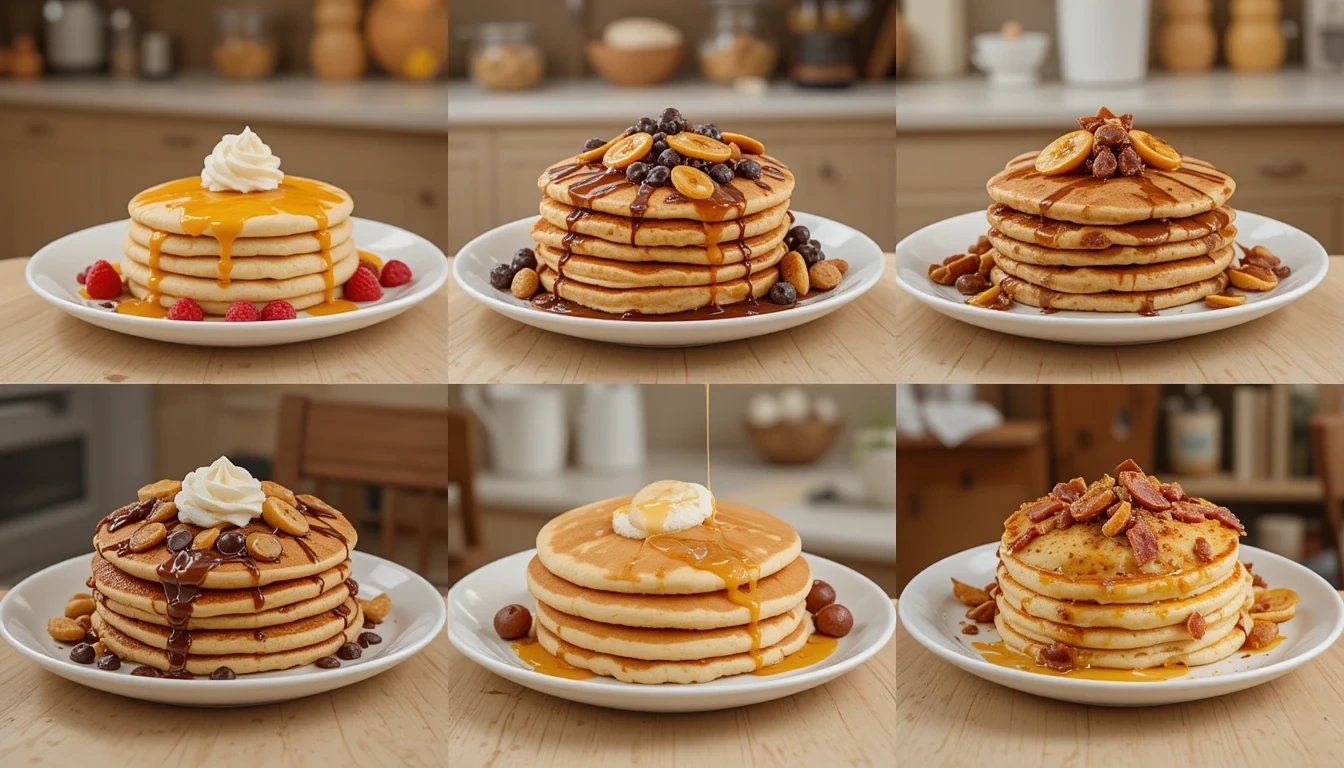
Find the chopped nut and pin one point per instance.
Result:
(1058, 657)
(948, 273)
(163, 489)
(794, 272)
(278, 491)
(981, 246)
(1262, 634)
(147, 536)
(993, 298)
(983, 612)
(1118, 521)
(968, 594)
(65, 629)
(79, 605)
(1196, 625)
(525, 283)
(1203, 550)
(824, 276)
(85, 621)
(970, 629)
(376, 610)
(840, 264)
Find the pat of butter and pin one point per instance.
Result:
(665, 506)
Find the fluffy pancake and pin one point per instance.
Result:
(1082, 563)
(659, 301)
(662, 233)
(219, 308)
(581, 547)
(253, 268)
(664, 202)
(691, 671)
(208, 289)
(268, 617)
(288, 636)
(665, 644)
(131, 650)
(288, 210)
(1026, 293)
(620, 274)
(1219, 642)
(144, 599)
(1116, 255)
(1194, 188)
(289, 245)
(1029, 228)
(711, 610)
(1127, 279)
(553, 237)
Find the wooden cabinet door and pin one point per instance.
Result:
(471, 185)
(853, 186)
(1316, 214)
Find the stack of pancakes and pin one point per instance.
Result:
(217, 248)
(615, 246)
(1082, 588)
(248, 615)
(723, 598)
(1123, 244)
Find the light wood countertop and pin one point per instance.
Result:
(848, 721)
(1297, 344)
(41, 344)
(854, 345)
(950, 717)
(394, 718)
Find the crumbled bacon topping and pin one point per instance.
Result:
(1143, 491)
(1225, 516)
(1023, 540)
(970, 629)
(1119, 519)
(1044, 508)
(1196, 625)
(1173, 491)
(1188, 512)
(1202, 550)
(1143, 540)
(1064, 519)
(1058, 657)
(1128, 465)
(1067, 492)
(1098, 497)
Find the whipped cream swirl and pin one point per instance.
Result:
(242, 163)
(665, 506)
(220, 493)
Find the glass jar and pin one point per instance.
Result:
(824, 34)
(739, 43)
(506, 57)
(245, 47)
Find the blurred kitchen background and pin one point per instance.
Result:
(531, 80)
(968, 456)
(1255, 87)
(100, 99)
(70, 455)
(821, 458)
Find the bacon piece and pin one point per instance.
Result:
(1144, 491)
(1044, 508)
(1143, 541)
(1202, 550)
(1023, 540)
(1091, 504)
(1119, 519)
(1045, 526)
(1225, 516)
(1187, 512)
(1173, 491)
(1128, 466)
(1064, 519)
(1196, 625)
(1058, 657)
(1067, 492)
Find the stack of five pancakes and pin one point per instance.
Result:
(726, 597)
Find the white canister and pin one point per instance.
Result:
(1103, 42)
(527, 430)
(609, 428)
(76, 35)
(937, 34)
(1195, 441)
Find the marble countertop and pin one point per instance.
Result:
(1218, 98)
(371, 103)
(590, 101)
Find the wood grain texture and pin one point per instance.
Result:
(853, 345)
(395, 718)
(493, 723)
(1291, 346)
(949, 717)
(41, 344)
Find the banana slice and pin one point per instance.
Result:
(597, 153)
(692, 183)
(748, 144)
(1065, 154)
(628, 150)
(1155, 151)
(700, 147)
(1275, 605)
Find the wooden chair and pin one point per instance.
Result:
(399, 450)
(1327, 439)
(462, 468)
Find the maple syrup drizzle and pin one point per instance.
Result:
(999, 654)
(536, 656)
(817, 648)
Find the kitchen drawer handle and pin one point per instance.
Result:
(39, 130)
(178, 141)
(1283, 169)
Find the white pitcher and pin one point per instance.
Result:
(1103, 42)
(609, 428)
(526, 426)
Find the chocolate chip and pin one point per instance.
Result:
(784, 294)
(797, 236)
(369, 624)
(636, 173)
(823, 594)
(659, 176)
(143, 671)
(82, 654)
(110, 662)
(512, 622)
(328, 662)
(350, 651)
(721, 173)
(749, 169)
(234, 542)
(592, 144)
(223, 673)
(525, 258)
(369, 638)
(834, 620)
(179, 540)
(669, 158)
(646, 125)
(501, 278)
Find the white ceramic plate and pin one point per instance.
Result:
(933, 618)
(417, 614)
(914, 254)
(474, 601)
(472, 268)
(51, 274)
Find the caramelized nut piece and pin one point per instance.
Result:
(99, 649)
(983, 612)
(79, 605)
(315, 503)
(376, 610)
(278, 491)
(962, 264)
(794, 271)
(700, 147)
(1119, 520)
(1277, 605)
(263, 546)
(525, 283)
(64, 629)
(627, 151)
(281, 515)
(981, 246)
(1065, 154)
(692, 182)
(1252, 277)
(972, 284)
(206, 538)
(163, 512)
(1203, 550)
(1196, 625)
(1264, 254)
(840, 264)
(1155, 151)
(85, 621)
(1262, 634)
(164, 489)
(1223, 301)
(1058, 657)
(748, 144)
(992, 298)
(969, 595)
(823, 276)
(147, 536)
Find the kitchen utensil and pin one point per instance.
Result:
(1010, 62)
(801, 442)
(1324, 34)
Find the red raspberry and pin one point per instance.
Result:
(363, 286)
(82, 276)
(395, 273)
(185, 309)
(278, 310)
(368, 267)
(241, 312)
(101, 281)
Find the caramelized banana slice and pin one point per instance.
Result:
(1155, 151)
(593, 155)
(700, 147)
(692, 183)
(628, 150)
(1252, 277)
(746, 143)
(1276, 605)
(1223, 301)
(1065, 154)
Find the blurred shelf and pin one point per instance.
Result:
(1222, 489)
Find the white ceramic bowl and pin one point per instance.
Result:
(1010, 63)
(416, 617)
(51, 275)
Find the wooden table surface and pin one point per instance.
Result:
(394, 718)
(850, 721)
(1284, 347)
(853, 345)
(41, 344)
(950, 717)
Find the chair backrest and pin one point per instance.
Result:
(462, 470)
(1327, 434)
